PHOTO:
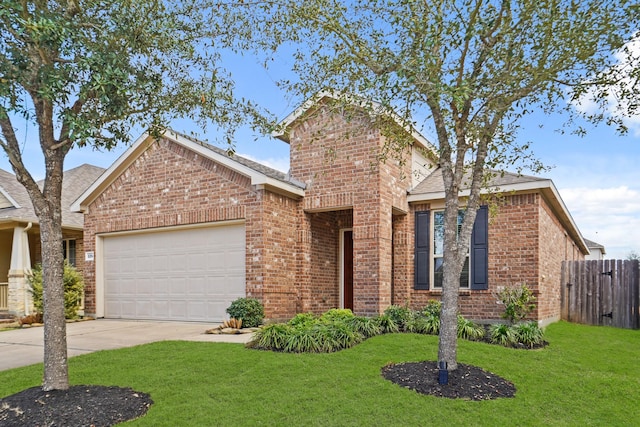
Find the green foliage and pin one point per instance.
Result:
(502, 334)
(387, 324)
(433, 308)
(73, 288)
(417, 324)
(302, 320)
(250, 310)
(399, 314)
(468, 330)
(274, 337)
(337, 314)
(366, 326)
(588, 377)
(518, 302)
(528, 334)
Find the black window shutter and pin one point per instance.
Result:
(422, 253)
(480, 250)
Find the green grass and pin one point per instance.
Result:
(587, 376)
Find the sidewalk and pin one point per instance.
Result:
(22, 347)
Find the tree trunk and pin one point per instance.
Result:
(47, 203)
(56, 374)
(452, 267)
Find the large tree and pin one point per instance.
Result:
(470, 70)
(87, 73)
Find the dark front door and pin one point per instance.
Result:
(347, 269)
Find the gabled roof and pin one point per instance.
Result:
(433, 185)
(259, 174)
(593, 245)
(283, 127)
(432, 189)
(17, 207)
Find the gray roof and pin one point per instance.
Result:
(434, 184)
(75, 182)
(593, 245)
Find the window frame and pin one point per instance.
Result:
(439, 256)
(69, 251)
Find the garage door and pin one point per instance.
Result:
(185, 274)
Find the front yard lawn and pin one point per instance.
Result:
(586, 376)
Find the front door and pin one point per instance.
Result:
(347, 269)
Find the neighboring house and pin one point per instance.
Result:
(178, 229)
(20, 234)
(596, 250)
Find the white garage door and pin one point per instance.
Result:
(187, 274)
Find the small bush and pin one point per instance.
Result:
(528, 334)
(366, 326)
(337, 336)
(337, 314)
(503, 335)
(250, 310)
(73, 287)
(399, 314)
(387, 324)
(302, 320)
(468, 330)
(518, 303)
(432, 309)
(272, 337)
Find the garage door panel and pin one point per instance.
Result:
(190, 275)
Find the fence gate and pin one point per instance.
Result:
(605, 292)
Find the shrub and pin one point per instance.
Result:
(432, 309)
(387, 324)
(73, 287)
(518, 303)
(366, 326)
(337, 336)
(468, 330)
(302, 320)
(399, 314)
(250, 310)
(302, 341)
(503, 335)
(336, 314)
(271, 337)
(528, 334)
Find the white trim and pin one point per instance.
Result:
(9, 198)
(341, 264)
(524, 186)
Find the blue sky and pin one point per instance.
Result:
(598, 176)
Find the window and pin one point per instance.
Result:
(438, 250)
(429, 243)
(69, 251)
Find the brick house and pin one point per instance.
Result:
(20, 234)
(178, 229)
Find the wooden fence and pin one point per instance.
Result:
(605, 292)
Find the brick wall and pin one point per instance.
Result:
(338, 160)
(555, 246)
(526, 246)
(169, 186)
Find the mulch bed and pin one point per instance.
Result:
(466, 382)
(79, 406)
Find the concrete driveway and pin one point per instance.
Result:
(22, 347)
